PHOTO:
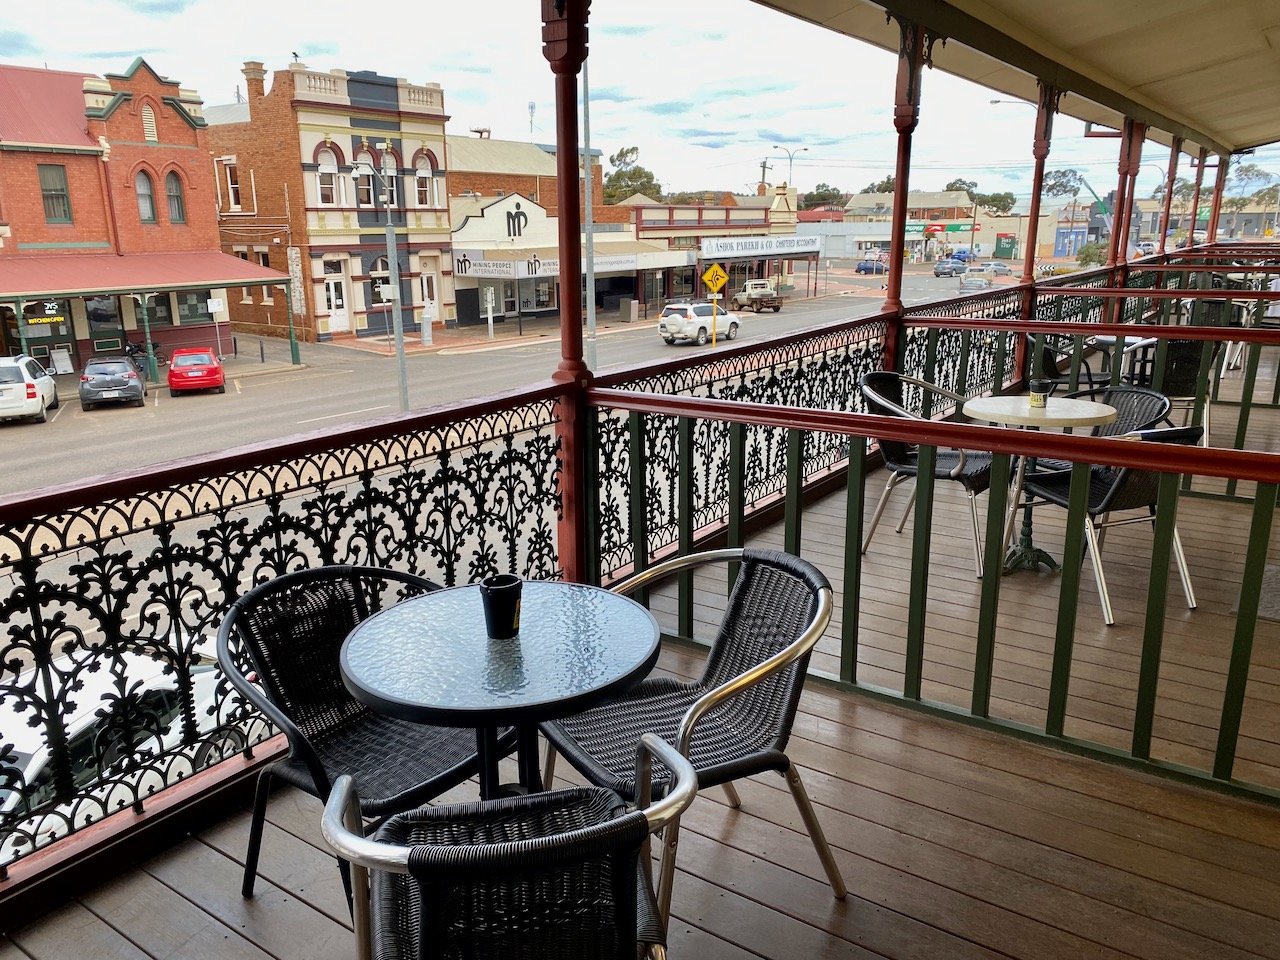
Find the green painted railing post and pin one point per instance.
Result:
(1153, 629)
(685, 510)
(638, 457)
(591, 468)
(794, 509)
(1255, 565)
(919, 582)
(962, 370)
(930, 371)
(851, 598)
(992, 573)
(1068, 599)
(1253, 354)
(734, 533)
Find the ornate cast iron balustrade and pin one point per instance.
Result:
(107, 689)
(818, 370)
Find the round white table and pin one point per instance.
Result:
(1016, 411)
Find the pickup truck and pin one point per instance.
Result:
(757, 295)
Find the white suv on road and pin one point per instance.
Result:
(26, 389)
(694, 321)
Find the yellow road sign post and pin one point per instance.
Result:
(715, 278)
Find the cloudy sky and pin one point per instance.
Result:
(706, 90)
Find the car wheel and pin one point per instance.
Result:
(702, 336)
(776, 309)
(86, 405)
(755, 307)
(140, 402)
(222, 388)
(733, 332)
(56, 401)
(669, 340)
(43, 415)
(173, 392)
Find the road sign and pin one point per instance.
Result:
(715, 277)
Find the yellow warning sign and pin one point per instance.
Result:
(715, 277)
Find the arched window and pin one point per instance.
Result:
(327, 177)
(146, 197)
(173, 189)
(364, 185)
(379, 282)
(428, 183)
(149, 124)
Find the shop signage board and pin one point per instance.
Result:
(715, 248)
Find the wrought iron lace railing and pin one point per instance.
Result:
(108, 692)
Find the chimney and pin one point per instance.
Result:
(762, 189)
(254, 75)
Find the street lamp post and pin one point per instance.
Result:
(791, 157)
(393, 266)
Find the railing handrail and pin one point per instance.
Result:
(1252, 465)
(1130, 331)
(1163, 293)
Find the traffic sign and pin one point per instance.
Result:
(715, 277)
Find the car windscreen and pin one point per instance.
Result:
(10, 375)
(117, 367)
(193, 360)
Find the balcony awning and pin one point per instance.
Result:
(1206, 70)
(75, 275)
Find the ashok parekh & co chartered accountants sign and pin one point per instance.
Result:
(713, 248)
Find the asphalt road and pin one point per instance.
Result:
(340, 386)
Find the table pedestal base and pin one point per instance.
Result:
(1027, 557)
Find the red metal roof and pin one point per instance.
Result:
(74, 275)
(43, 106)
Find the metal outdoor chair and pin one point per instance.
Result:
(564, 874)
(1046, 364)
(1137, 408)
(1114, 490)
(278, 647)
(883, 392)
(735, 720)
(1179, 376)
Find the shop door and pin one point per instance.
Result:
(335, 293)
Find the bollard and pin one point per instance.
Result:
(262, 351)
(235, 347)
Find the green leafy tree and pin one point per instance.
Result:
(629, 177)
(1242, 182)
(959, 183)
(997, 203)
(1268, 198)
(1062, 183)
(1092, 254)
(822, 193)
(880, 186)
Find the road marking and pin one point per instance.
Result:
(236, 381)
(349, 413)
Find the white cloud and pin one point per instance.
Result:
(704, 89)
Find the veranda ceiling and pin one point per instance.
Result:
(1207, 70)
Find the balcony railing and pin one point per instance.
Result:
(110, 576)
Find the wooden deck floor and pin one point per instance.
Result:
(956, 843)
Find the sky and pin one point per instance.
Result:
(707, 90)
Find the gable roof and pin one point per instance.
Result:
(636, 200)
(484, 155)
(227, 113)
(915, 198)
(43, 107)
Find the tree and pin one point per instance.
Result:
(1092, 254)
(883, 186)
(968, 186)
(629, 177)
(1268, 198)
(1062, 183)
(822, 193)
(996, 203)
(1241, 183)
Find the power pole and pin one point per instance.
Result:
(764, 169)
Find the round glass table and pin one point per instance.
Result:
(1016, 411)
(429, 660)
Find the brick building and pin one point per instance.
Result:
(106, 204)
(290, 196)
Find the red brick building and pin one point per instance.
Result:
(106, 204)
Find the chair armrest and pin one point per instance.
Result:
(343, 829)
(672, 565)
(680, 792)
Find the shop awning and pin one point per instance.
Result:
(76, 275)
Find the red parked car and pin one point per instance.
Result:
(195, 368)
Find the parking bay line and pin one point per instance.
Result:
(348, 413)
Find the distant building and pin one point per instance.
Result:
(921, 205)
(290, 196)
(108, 205)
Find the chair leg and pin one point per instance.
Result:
(906, 511)
(549, 766)
(731, 792)
(811, 824)
(880, 505)
(1183, 570)
(1204, 437)
(667, 869)
(977, 537)
(1099, 577)
(256, 822)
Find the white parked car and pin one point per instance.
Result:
(26, 389)
(694, 320)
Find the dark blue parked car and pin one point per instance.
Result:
(871, 266)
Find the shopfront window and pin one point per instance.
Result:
(193, 306)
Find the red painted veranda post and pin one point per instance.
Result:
(564, 44)
(913, 54)
(1170, 179)
(1046, 107)
(1219, 191)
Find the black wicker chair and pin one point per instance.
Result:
(1179, 377)
(1046, 364)
(288, 633)
(564, 874)
(733, 721)
(1113, 490)
(883, 392)
(1137, 408)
